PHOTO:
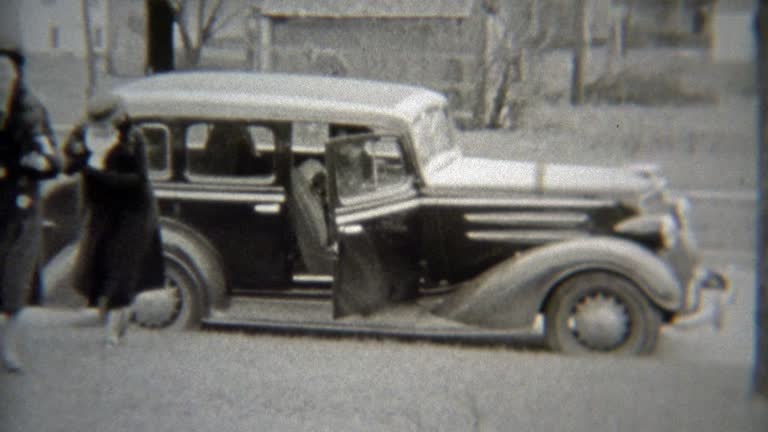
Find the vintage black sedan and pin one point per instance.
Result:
(340, 205)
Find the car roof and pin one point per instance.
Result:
(244, 96)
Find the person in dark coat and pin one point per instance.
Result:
(27, 156)
(120, 251)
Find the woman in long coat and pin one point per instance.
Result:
(120, 251)
(27, 156)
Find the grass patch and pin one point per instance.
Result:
(631, 87)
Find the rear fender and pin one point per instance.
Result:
(512, 293)
(183, 242)
(184, 245)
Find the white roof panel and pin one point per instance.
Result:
(274, 96)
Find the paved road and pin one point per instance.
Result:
(201, 381)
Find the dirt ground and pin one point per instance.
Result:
(199, 381)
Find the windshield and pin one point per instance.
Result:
(434, 140)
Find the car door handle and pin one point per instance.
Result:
(351, 229)
(267, 209)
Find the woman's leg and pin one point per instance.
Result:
(116, 303)
(117, 325)
(9, 350)
(19, 266)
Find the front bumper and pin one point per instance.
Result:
(707, 293)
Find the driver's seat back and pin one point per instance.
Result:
(308, 217)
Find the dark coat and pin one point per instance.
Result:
(27, 122)
(120, 250)
(27, 132)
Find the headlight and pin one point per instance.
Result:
(683, 214)
(682, 211)
(662, 225)
(670, 232)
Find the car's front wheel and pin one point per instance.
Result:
(177, 305)
(601, 312)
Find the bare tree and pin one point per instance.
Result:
(198, 22)
(761, 349)
(491, 52)
(509, 46)
(626, 23)
(91, 73)
(621, 19)
(581, 50)
(250, 32)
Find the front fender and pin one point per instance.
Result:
(511, 294)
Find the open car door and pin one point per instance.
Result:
(374, 221)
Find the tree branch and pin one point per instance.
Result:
(179, 16)
(200, 21)
(176, 6)
(220, 24)
(206, 30)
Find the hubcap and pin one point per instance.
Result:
(159, 308)
(600, 321)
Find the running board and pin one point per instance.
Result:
(315, 317)
(480, 336)
(286, 293)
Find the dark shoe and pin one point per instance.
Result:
(11, 362)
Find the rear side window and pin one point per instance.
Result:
(157, 139)
(230, 152)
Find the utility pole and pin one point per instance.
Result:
(91, 74)
(159, 45)
(581, 51)
(760, 378)
(250, 34)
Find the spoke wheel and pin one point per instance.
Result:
(176, 306)
(600, 312)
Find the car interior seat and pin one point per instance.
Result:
(308, 217)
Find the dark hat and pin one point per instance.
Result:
(106, 107)
(14, 55)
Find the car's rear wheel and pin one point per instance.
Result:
(178, 305)
(601, 312)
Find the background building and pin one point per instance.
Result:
(734, 39)
(56, 26)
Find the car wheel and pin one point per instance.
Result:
(177, 305)
(601, 312)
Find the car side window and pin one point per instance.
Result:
(309, 137)
(230, 152)
(157, 140)
(369, 165)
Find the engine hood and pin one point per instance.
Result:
(532, 177)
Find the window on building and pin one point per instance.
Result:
(53, 36)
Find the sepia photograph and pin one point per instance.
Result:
(383, 215)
